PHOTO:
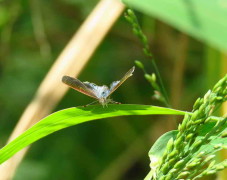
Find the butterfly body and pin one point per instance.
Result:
(101, 93)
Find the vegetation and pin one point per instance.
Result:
(181, 58)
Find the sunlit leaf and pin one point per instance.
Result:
(202, 19)
(72, 116)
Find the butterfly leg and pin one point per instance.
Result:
(105, 105)
(114, 102)
(90, 103)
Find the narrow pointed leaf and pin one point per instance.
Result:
(72, 116)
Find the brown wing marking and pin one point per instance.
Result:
(78, 86)
(116, 84)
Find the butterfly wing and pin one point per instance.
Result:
(79, 86)
(114, 85)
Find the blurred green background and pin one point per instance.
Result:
(113, 148)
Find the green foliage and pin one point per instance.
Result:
(3, 16)
(101, 144)
(73, 116)
(157, 150)
(189, 154)
(203, 20)
(174, 155)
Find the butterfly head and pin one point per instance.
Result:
(105, 101)
(102, 92)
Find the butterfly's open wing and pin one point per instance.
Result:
(114, 85)
(79, 86)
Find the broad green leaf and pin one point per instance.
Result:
(159, 146)
(157, 150)
(211, 124)
(216, 140)
(72, 116)
(202, 19)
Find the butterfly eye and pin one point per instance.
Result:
(103, 93)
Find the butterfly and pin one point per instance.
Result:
(101, 93)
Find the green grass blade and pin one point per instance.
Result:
(202, 19)
(72, 116)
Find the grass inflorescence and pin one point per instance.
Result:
(187, 157)
(160, 92)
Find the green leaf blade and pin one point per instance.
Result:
(73, 116)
